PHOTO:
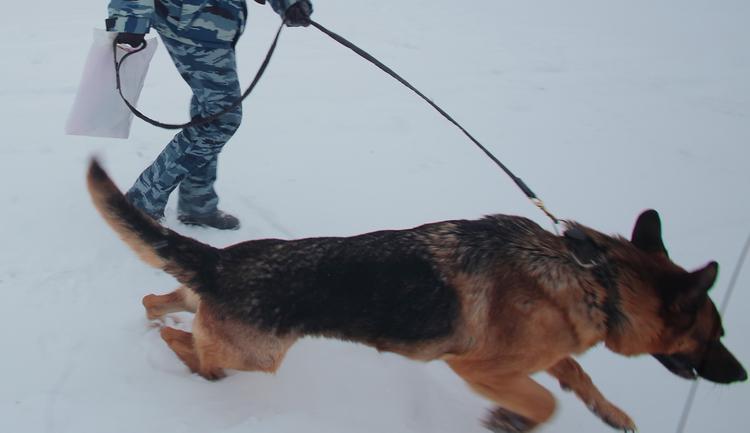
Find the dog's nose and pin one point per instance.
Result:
(743, 376)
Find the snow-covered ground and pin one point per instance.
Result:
(604, 108)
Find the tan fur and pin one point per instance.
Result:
(182, 299)
(216, 344)
(99, 193)
(573, 378)
(498, 355)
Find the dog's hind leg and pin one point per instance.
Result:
(182, 299)
(181, 343)
(523, 403)
(218, 343)
(573, 378)
(189, 351)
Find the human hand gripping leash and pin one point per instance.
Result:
(365, 55)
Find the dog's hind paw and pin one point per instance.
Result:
(213, 374)
(502, 420)
(153, 306)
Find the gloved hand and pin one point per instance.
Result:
(135, 40)
(298, 14)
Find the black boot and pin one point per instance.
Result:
(218, 220)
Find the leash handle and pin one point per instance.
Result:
(197, 120)
(365, 55)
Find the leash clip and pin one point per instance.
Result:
(540, 204)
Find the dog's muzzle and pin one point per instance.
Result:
(716, 364)
(679, 365)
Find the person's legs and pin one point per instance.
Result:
(217, 87)
(191, 157)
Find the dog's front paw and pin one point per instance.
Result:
(614, 417)
(502, 420)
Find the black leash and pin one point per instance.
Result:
(365, 55)
(197, 120)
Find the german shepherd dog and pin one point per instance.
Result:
(497, 298)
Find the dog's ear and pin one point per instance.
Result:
(705, 278)
(647, 233)
(696, 286)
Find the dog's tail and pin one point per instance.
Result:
(186, 259)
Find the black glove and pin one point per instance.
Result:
(135, 40)
(298, 14)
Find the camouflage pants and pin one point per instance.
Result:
(190, 159)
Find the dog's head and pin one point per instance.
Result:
(688, 329)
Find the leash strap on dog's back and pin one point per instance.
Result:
(365, 55)
(198, 120)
